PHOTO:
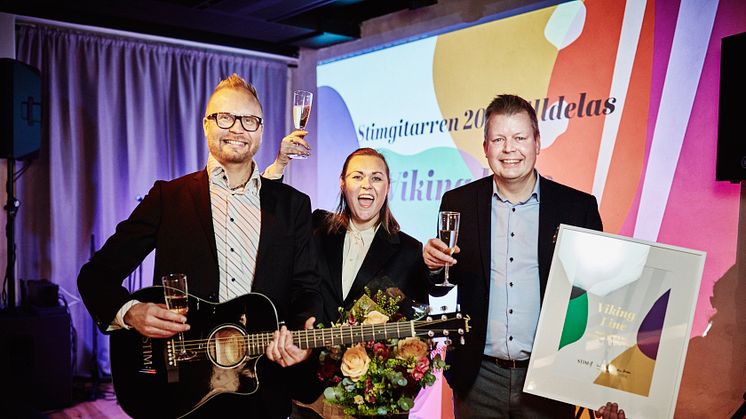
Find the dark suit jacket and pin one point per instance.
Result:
(175, 219)
(396, 256)
(557, 204)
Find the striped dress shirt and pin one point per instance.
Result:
(236, 219)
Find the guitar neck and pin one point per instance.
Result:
(343, 335)
(347, 335)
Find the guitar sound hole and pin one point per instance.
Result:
(226, 346)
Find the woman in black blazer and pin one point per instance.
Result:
(359, 245)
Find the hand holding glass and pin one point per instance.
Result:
(177, 300)
(302, 101)
(448, 222)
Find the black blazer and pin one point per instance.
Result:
(557, 204)
(175, 219)
(398, 256)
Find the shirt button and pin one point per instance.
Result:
(510, 311)
(511, 259)
(511, 234)
(231, 218)
(233, 279)
(511, 284)
(510, 338)
(513, 209)
(231, 249)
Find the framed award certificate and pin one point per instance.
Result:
(615, 323)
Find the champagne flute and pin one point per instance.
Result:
(448, 222)
(301, 112)
(177, 300)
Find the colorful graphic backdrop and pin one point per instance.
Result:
(626, 93)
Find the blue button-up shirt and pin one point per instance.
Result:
(514, 277)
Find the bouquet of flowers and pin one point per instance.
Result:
(377, 378)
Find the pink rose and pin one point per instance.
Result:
(420, 368)
(380, 349)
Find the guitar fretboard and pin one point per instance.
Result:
(343, 335)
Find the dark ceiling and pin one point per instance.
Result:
(273, 26)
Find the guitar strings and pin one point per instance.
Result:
(257, 342)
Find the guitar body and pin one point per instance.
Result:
(156, 378)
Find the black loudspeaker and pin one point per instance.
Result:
(731, 160)
(20, 109)
(39, 293)
(36, 361)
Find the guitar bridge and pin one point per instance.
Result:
(172, 364)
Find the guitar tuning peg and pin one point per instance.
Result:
(461, 332)
(443, 317)
(462, 341)
(448, 342)
(458, 308)
(459, 316)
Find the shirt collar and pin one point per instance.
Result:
(535, 194)
(217, 175)
(365, 234)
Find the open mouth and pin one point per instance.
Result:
(366, 201)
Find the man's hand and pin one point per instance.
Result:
(610, 411)
(293, 143)
(282, 349)
(437, 254)
(155, 321)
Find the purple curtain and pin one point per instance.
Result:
(120, 113)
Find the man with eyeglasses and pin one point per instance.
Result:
(231, 232)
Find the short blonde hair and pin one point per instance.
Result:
(234, 81)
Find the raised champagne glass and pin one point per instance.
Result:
(176, 294)
(448, 222)
(302, 101)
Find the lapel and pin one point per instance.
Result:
(333, 248)
(548, 220)
(381, 249)
(484, 223)
(200, 191)
(268, 207)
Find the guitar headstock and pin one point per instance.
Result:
(447, 325)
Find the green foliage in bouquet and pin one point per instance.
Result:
(377, 378)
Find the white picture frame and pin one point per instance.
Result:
(615, 323)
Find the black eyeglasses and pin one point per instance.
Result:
(226, 120)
